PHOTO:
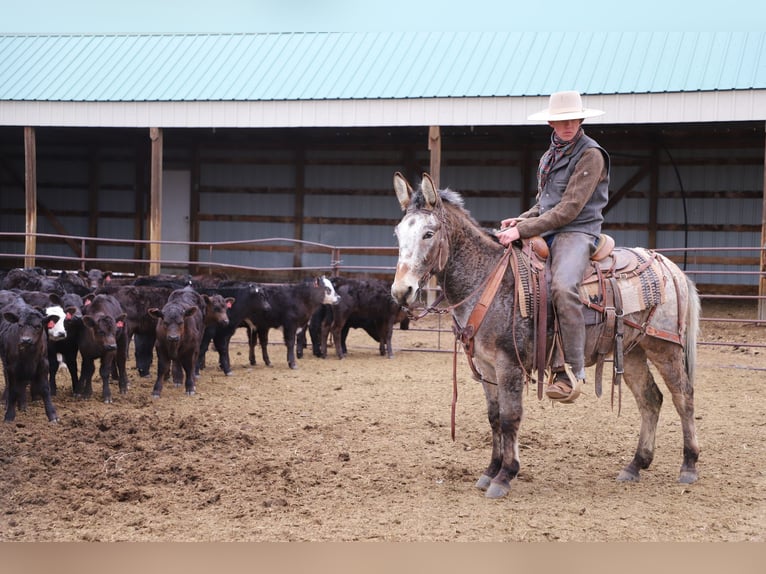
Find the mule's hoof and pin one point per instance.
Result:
(688, 477)
(483, 482)
(496, 490)
(626, 476)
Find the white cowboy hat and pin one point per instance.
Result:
(565, 106)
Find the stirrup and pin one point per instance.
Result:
(576, 386)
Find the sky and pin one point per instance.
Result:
(210, 16)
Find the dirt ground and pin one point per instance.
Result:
(360, 450)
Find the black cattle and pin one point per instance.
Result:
(33, 279)
(246, 300)
(74, 283)
(103, 336)
(292, 306)
(136, 300)
(366, 304)
(180, 324)
(24, 354)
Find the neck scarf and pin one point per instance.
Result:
(557, 149)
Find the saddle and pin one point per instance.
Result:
(619, 281)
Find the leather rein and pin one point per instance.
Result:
(466, 334)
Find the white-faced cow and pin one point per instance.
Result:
(68, 346)
(291, 307)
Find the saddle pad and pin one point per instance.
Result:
(639, 291)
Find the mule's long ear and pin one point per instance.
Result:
(430, 194)
(403, 190)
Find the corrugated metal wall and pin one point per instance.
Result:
(248, 185)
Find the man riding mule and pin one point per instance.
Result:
(572, 191)
(484, 288)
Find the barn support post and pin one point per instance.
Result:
(654, 192)
(155, 207)
(30, 191)
(195, 207)
(762, 281)
(435, 147)
(94, 182)
(300, 201)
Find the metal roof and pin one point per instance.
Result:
(373, 65)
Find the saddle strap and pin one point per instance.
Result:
(539, 288)
(480, 310)
(619, 336)
(467, 333)
(606, 339)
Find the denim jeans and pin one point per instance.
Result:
(570, 254)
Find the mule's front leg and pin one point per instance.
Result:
(493, 416)
(510, 411)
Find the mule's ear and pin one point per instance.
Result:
(429, 191)
(403, 190)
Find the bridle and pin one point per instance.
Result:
(488, 289)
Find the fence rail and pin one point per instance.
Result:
(336, 266)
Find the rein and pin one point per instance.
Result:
(466, 334)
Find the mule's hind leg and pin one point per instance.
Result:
(648, 397)
(672, 368)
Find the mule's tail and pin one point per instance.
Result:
(693, 308)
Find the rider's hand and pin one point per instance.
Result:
(508, 235)
(510, 222)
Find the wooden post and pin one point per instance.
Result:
(762, 282)
(30, 190)
(155, 201)
(299, 207)
(435, 147)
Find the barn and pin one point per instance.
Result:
(262, 154)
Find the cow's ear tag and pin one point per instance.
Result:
(120, 324)
(228, 304)
(51, 324)
(69, 316)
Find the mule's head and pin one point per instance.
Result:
(423, 244)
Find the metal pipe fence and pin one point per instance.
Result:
(335, 266)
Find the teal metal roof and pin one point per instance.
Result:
(373, 65)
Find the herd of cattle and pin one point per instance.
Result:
(49, 318)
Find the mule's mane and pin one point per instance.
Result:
(453, 202)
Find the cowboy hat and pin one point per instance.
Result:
(565, 106)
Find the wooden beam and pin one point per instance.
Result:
(155, 207)
(628, 186)
(91, 249)
(435, 147)
(30, 191)
(194, 249)
(299, 207)
(654, 186)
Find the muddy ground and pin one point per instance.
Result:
(360, 450)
